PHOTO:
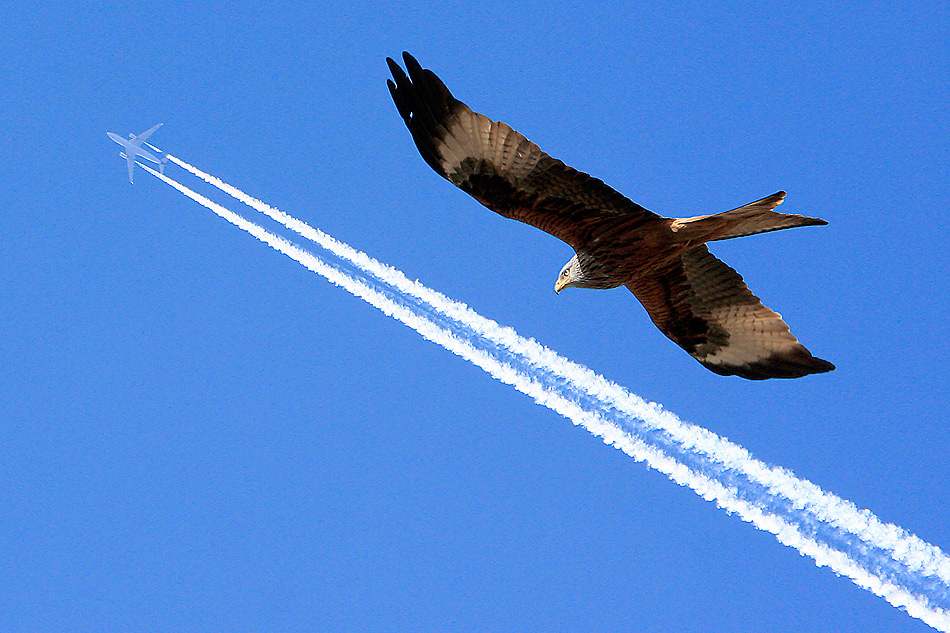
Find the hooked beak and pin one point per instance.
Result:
(559, 286)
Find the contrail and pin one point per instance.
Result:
(882, 558)
(902, 546)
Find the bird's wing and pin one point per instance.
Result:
(704, 307)
(501, 168)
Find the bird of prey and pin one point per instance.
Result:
(696, 300)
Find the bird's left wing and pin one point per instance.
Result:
(501, 168)
(703, 306)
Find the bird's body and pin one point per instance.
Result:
(695, 299)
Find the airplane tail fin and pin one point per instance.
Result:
(755, 217)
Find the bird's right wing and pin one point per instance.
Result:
(704, 307)
(501, 168)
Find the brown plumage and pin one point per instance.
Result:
(695, 299)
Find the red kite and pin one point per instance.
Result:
(696, 300)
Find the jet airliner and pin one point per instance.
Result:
(133, 148)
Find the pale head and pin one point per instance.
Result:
(570, 275)
(584, 271)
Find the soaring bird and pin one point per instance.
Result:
(696, 300)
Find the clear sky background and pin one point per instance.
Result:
(199, 434)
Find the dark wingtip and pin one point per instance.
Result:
(412, 66)
(398, 73)
(794, 366)
(394, 92)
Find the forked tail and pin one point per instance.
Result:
(755, 217)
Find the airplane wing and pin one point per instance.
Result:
(147, 133)
(130, 157)
(144, 153)
(162, 155)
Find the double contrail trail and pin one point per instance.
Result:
(883, 558)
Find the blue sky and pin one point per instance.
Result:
(199, 434)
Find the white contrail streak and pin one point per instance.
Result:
(910, 550)
(602, 413)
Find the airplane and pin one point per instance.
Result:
(133, 148)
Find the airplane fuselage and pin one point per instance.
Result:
(133, 149)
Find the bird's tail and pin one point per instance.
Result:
(755, 217)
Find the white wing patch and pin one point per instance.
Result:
(469, 135)
(756, 336)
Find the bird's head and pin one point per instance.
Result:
(569, 276)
